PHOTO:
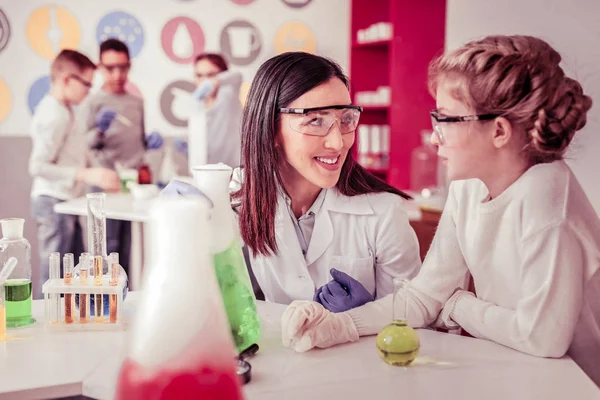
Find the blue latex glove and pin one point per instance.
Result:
(104, 118)
(181, 146)
(179, 188)
(343, 293)
(203, 90)
(154, 141)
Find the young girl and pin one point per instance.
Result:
(516, 218)
(214, 124)
(316, 224)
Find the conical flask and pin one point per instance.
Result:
(179, 345)
(232, 274)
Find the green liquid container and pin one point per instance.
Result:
(398, 343)
(17, 288)
(230, 267)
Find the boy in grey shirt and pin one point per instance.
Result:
(59, 160)
(113, 122)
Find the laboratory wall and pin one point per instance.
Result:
(163, 37)
(572, 28)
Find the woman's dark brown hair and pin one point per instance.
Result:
(214, 58)
(278, 82)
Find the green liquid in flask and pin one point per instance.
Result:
(18, 302)
(398, 343)
(238, 297)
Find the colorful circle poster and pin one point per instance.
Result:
(50, 29)
(182, 39)
(296, 3)
(4, 30)
(123, 26)
(175, 102)
(295, 36)
(37, 91)
(240, 42)
(5, 100)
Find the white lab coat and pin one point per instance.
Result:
(366, 236)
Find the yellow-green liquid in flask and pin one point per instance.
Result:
(398, 343)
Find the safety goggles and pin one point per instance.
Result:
(317, 121)
(81, 80)
(117, 67)
(438, 120)
(208, 75)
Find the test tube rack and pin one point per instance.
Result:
(57, 293)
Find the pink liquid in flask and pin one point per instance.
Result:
(204, 382)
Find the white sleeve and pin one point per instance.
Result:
(397, 250)
(48, 136)
(551, 298)
(442, 272)
(230, 78)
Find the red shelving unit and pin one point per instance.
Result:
(400, 63)
(378, 43)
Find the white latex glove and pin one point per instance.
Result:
(307, 324)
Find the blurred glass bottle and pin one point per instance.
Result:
(424, 167)
(18, 286)
(179, 347)
(230, 266)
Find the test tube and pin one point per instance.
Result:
(96, 220)
(84, 304)
(54, 275)
(115, 269)
(68, 261)
(98, 298)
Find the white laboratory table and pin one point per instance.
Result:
(123, 207)
(39, 364)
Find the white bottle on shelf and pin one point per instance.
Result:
(385, 145)
(376, 145)
(364, 145)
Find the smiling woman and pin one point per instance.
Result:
(317, 225)
(305, 206)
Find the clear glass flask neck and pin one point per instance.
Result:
(400, 308)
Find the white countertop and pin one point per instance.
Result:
(122, 206)
(39, 364)
(449, 366)
(119, 206)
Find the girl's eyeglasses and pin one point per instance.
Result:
(438, 119)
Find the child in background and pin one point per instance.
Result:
(112, 120)
(58, 163)
(214, 124)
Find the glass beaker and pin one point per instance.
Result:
(398, 342)
(179, 345)
(232, 273)
(18, 287)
